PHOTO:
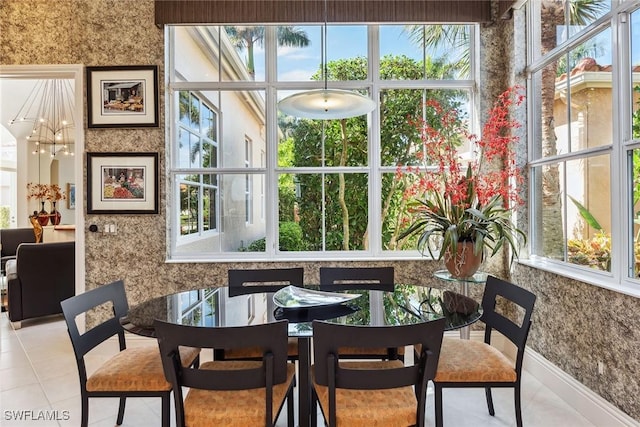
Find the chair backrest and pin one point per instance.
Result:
(374, 278)
(496, 289)
(11, 238)
(271, 337)
(252, 281)
(329, 337)
(113, 293)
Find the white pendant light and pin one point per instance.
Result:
(326, 103)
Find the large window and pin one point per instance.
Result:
(286, 186)
(584, 158)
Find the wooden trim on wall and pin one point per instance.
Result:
(312, 11)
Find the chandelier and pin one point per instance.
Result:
(49, 107)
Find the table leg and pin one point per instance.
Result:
(465, 333)
(304, 381)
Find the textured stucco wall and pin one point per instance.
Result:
(575, 323)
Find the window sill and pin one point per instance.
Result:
(600, 279)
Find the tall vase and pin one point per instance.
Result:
(43, 216)
(464, 263)
(54, 216)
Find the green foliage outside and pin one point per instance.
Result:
(345, 216)
(290, 237)
(596, 251)
(4, 217)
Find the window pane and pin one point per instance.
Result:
(635, 72)
(300, 58)
(248, 42)
(189, 208)
(223, 213)
(209, 208)
(635, 209)
(588, 218)
(564, 19)
(303, 139)
(332, 205)
(438, 51)
(394, 215)
(590, 97)
(576, 99)
(401, 111)
(576, 211)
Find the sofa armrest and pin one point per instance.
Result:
(45, 275)
(11, 269)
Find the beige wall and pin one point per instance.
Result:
(575, 323)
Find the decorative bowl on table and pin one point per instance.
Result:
(295, 297)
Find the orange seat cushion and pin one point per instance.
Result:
(473, 361)
(136, 369)
(256, 352)
(237, 408)
(381, 351)
(371, 408)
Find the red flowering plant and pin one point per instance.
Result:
(453, 200)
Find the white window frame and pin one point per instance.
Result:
(621, 234)
(374, 85)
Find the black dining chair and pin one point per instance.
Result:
(366, 278)
(132, 372)
(468, 363)
(229, 393)
(371, 278)
(250, 281)
(356, 393)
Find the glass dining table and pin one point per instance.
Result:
(399, 304)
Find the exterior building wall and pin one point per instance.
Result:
(237, 121)
(574, 323)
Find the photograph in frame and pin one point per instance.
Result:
(122, 183)
(71, 195)
(124, 96)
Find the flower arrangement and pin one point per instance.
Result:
(50, 192)
(55, 193)
(37, 191)
(455, 200)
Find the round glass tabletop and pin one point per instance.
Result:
(479, 277)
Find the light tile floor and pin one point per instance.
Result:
(38, 373)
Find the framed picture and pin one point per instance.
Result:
(71, 195)
(122, 183)
(122, 96)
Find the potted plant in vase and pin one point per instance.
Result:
(462, 208)
(40, 192)
(54, 194)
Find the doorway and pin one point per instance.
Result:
(15, 81)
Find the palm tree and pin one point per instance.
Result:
(248, 37)
(455, 37)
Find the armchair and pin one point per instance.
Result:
(10, 239)
(41, 276)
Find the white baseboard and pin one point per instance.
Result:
(584, 400)
(587, 402)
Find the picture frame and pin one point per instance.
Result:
(122, 183)
(71, 195)
(122, 96)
